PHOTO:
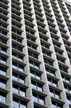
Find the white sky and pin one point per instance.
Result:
(69, 0)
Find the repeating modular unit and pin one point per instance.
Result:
(35, 54)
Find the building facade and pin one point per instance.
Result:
(35, 54)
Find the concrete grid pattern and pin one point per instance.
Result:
(35, 54)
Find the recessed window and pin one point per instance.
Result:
(37, 86)
(17, 67)
(3, 50)
(33, 54)
(62, 68)
(35, 74)
(2, 83)
(19, 78)
(52, 82)
(56, 105)
(19, 104)
(34, 64)
(38, 99)
(19, 90)
(2, 70)
(2, 97)
(67, 88)
(68, 99)
(66, 78)
(3, 59)
(54, 93)
(50, 71)
(17, 56)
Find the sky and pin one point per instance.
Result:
(69, 0)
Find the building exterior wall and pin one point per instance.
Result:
(35, 54)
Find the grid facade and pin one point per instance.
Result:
(35, 54)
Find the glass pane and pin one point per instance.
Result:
(15, 104)
(37, 77)
(22, 106)
(4, 62)
(14, 78)
(14, 57)
(20, 59)
(15, 90)
(41, 101)
(69, 102)
(57, 96)
(35, 99)
(33, 86)
(39, 89)
(49, 83)
(65, 89)
(20, 69)
(2, 85)
(3, 51)
(22, 93)
(54, 85)
(15, 67)
(54, 106)
(51, 94)
(70, 91)
(2, 72)
(36, 66)
(32, 75)
(2, 99)
(21, 81)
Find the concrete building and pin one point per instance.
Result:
(35, 54)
